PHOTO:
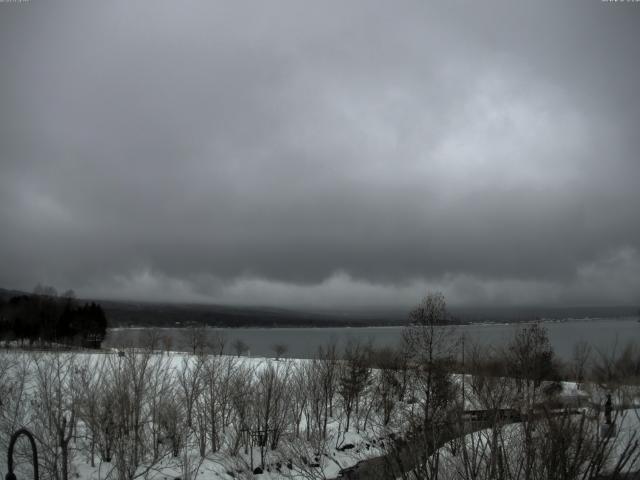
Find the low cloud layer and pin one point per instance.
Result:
(322, 153)
(612, 280)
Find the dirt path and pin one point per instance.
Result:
(403, 459)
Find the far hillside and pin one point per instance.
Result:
(157, 314)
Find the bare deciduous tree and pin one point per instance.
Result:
(190, 384)
(240, 347)
(353, 378)
(56, 406)
(279, 349)
(196, 337)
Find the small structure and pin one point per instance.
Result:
(256, 437)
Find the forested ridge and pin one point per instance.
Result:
(45, 318)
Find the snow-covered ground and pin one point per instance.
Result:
(22, 380)
(293, 458)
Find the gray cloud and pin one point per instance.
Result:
(322, 152)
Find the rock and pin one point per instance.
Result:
(346, 446)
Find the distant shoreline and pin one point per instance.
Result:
(367, 325)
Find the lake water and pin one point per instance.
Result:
(601, 334)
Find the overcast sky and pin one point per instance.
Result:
(325, 153)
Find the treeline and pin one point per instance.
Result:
(125, 314)
(45, 318)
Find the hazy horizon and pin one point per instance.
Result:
(377, 312)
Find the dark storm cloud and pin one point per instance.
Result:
(338, 152)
